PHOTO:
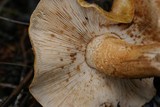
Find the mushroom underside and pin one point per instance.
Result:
(60, 32)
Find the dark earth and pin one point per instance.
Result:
(16, 56)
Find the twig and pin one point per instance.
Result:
(23, 49)
(23, 102)
(14, 21)
(14, 64)
(14, 94)
(7, 85)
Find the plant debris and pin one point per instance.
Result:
(16, 55)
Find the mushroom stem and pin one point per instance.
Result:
(118, 58)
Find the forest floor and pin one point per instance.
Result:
(16, 55)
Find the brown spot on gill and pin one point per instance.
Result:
(78, 68)
(73, 57)
(106, 104)
(73, 54)
(152, 34)
(68, 49)
(61, 59)
(157, 58)
(61, 31)
(69, 74)
(129, 32)
(73, 28)
(67, 80)
(84, 23)
(52, 35)
(86, 18)
(62, 67)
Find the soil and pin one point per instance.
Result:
(16, 55)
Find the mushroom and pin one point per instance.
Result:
(157, 3)
(86, 56)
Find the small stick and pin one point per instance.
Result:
(14, 94)
(15, 64)
(14, 21)
(7, 85)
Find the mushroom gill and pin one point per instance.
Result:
(73, 42)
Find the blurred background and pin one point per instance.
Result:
(16, 55)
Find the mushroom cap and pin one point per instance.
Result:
(60, 31)
(118, 11)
